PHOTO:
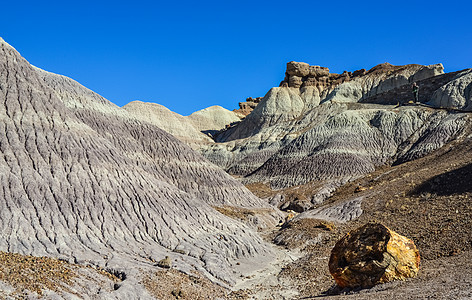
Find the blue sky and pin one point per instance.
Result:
(189, 55)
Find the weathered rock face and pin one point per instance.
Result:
(84, 180)
(404, 93)
(338, 132)
(305, 87)
(301, 74)
(354, 86)
(336, 142)
(246, 107)
(456, 94)
(381, 78)
(373, 254)
(279, 105)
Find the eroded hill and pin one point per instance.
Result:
(102, 194)
(84, 181)
(319, 128)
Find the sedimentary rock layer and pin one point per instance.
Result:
(340, 130)
(83, 180)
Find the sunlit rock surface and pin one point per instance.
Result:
(193, 130)
(85, 181)
(338, 127)
(455, 94)
(382, 78)
(373, 254)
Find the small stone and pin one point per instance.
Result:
(359, 188)
(177, 294)
(165, 263)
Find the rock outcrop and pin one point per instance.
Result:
(334, 131)
(373, 254)
(354, 86)
(456, 94)
(86, 181)
(404, 94)
(301, 74)
(246, 107)
(315, 85)
(382, 78)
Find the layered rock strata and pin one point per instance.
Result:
(301, 74)
(404, 95)
(314, 85)
(332, 132)
(353, 86)
(85, 181)
(337, 141)
(380, 79)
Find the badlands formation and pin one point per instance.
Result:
(84, 181)
(324, 128)
(140, 202)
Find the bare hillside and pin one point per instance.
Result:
(98, 201)
(84, 181)
(348, 129)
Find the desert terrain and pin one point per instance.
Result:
(137, 202)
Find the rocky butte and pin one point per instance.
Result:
(139, 202)
(326, 128)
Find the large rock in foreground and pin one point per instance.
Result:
(373, 254)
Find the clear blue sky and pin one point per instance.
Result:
(188, 55)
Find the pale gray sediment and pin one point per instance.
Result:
(84, 181)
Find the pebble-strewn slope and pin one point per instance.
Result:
(82, 180)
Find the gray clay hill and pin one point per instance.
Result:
(139, 202)
(85, 181)
(326, 127)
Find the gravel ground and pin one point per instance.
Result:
(25, 276)
(428, 200)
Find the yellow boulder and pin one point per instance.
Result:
(373, 254)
